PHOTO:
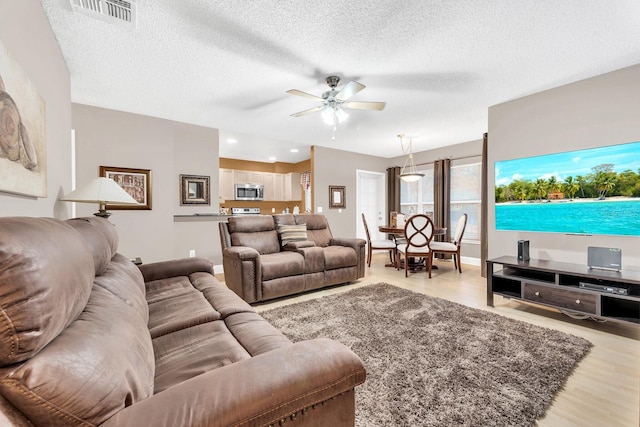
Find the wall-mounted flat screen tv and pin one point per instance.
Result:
(592, 191)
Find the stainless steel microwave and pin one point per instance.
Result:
(249, 192)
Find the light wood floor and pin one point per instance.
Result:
(604, 390)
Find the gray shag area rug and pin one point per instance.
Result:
(432, 362)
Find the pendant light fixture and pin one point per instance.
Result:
(409, 173)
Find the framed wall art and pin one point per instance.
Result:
(194, 190)
(337, 197)
(136, 182)
(23, 145)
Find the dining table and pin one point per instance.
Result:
(399, 231)
(396, 232)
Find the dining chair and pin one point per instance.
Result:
(375, 245)
(453, 248)
(418, 231)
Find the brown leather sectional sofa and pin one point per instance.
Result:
(87, 339)
(258, 267)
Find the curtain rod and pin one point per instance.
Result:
(479, 156)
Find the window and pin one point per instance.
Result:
(466, 185)
(417, 197)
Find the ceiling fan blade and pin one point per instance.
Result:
(304, 94)
(349, 90)
(310, 110)
(357, 105)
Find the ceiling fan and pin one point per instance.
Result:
(334, 101)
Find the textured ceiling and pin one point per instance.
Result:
(438, 64)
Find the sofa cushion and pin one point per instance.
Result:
(339, 257)
(317, 228)
(292, 233)
(282, 264)
(193, 351)
(46, 275)
(101, 236)
(100, 364)
(179, 311)
(284, 219)
(256, 231)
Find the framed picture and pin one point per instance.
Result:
(194, 190)
(23, 144)
(337, 197)
(136, 182)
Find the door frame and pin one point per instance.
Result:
(373, 220)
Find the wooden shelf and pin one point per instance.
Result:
(558, 285)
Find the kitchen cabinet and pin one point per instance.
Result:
(248, 177)
(278, 187)
(227, 190)
(292, 188)
(268, 180)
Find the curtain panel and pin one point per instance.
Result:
(484, 209)
(442, 200)
(393, 191)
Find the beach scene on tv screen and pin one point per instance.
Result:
(594, 191)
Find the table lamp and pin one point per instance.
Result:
(103, 191)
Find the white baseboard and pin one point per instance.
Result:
(217, 269)
(470, 261)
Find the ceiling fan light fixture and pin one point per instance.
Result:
(332, 115)
(341, 115)
(409, 172)
(334, 101)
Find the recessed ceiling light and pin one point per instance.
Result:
(294, 150)
(231, 141)
(272, 158)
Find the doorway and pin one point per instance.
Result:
(370, 201)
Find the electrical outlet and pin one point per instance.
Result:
(192, 253)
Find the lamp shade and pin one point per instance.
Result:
(409, 172)
(103, 191)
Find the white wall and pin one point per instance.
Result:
(603, 110)
(118, 139)
(26, 34)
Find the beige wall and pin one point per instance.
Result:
(337, 167)
(26, 34)
(113, 138)
(602, 110)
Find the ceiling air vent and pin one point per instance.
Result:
(121, 11)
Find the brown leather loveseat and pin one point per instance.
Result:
(87, 339)
(270, 256)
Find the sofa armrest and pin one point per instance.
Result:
(173, 268)
(243, 272)
(294, 246)
(354, 243)
(259, 391)
(358, 245)
(240, 252)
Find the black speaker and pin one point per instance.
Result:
(523, 250)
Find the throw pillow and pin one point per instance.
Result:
(292, 233)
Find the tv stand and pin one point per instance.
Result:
(557, 284)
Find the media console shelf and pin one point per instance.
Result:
(558, 285)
